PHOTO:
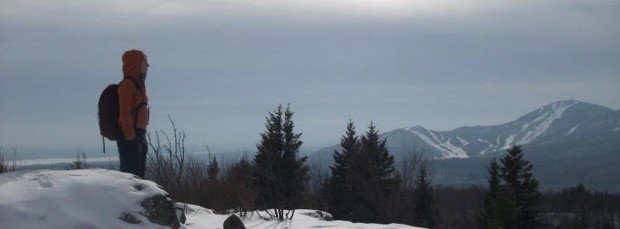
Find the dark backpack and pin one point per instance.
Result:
(108, 112)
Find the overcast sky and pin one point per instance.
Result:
(218, 67)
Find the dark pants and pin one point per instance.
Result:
(132, 154)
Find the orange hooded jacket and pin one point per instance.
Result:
(132, 99)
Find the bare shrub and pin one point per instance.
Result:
(401, 207)
(236, 191)
(318, 187)
(193, 180)
(9, 160)
(167, 161)
(408, 167)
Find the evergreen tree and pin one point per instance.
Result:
(239, 191)
(423, 197)
(339, 200)
(265, 161)
(371, 178)
(522, 186)
(294, 170)
(499, 207)
(281, 177)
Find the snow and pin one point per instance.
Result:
(573, 129)
(539, 118)
(509, 141)
(542, 123)
(489, 148)
(96, 198)
(525, 126)
(463, 142)
(198, 217)
(427, 140)
(453, 151)
(532, 130)
(448, 150)
(93, 198)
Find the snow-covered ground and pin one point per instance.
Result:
(198, 217)
(97, 198)
(93, 198)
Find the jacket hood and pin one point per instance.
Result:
(131, 63)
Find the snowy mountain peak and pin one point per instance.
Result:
(562, 117)
(416, 128)
(531, 129)
(563, 105)
(553, 108)
(546, 125)
(567, 102)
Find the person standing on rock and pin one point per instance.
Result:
(133, 113)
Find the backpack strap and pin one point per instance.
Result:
(142, 103)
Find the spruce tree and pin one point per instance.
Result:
(423, 197)
(294, 170)
(499, 207)
(522, 186)
(280, 176)
(265, 161)
(371, 178)
(339, 200)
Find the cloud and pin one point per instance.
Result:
(147, 13)
(215, 63)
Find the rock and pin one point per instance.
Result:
(318, 214)
(233, 222)
(130, 218)
(160, 209)
(181, 214)
(325, 216)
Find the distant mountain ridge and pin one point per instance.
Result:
(557, 128)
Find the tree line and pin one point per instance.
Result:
(367, 184)
(364, 184)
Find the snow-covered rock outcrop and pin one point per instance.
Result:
(90, 198)
(99, 198)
